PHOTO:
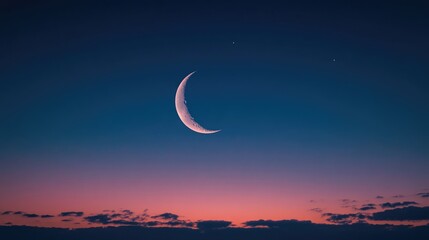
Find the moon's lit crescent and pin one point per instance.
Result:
(182, 110)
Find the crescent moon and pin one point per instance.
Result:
(182, 110)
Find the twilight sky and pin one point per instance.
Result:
(321, 106)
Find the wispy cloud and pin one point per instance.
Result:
(366, 207)
(167, 216)
(71, 214)
(423, 194)
(397, 204)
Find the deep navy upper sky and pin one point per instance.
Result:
(301, 90)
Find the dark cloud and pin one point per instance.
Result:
(130, 216)
(179, 223)
(213, 224)
(71, 214)
(114, 219)
(8, 223)
(398, 196)
(402, 214)
(397, 204)
(127, 212)
(99, 218)
(276, 224)
(423, 195)
(366, 207)
(167, 216)
(379, 197)
(121, 217)
(169, 220)
(344, 218)
(127, 217)
(152, 223)
(28, 215)
(173, 223)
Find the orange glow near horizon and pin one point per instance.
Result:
(198, 192)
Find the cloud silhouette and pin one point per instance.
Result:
(173, 223)
(71, 214)
(276, 224)
(213, 224)
(366, 207)
(99, 218)
(152, 223)
(402, 214)
(423, 195)
(379, 197)
(127, 217)
(121, 217)
(127, 212)
(397, 204)
(167, 220)
(27, 215)
(344, 218)
(179, 223)
(115, 219)
(167, 216)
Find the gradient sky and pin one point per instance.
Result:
(317, 102)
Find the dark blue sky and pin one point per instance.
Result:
(308, 90)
